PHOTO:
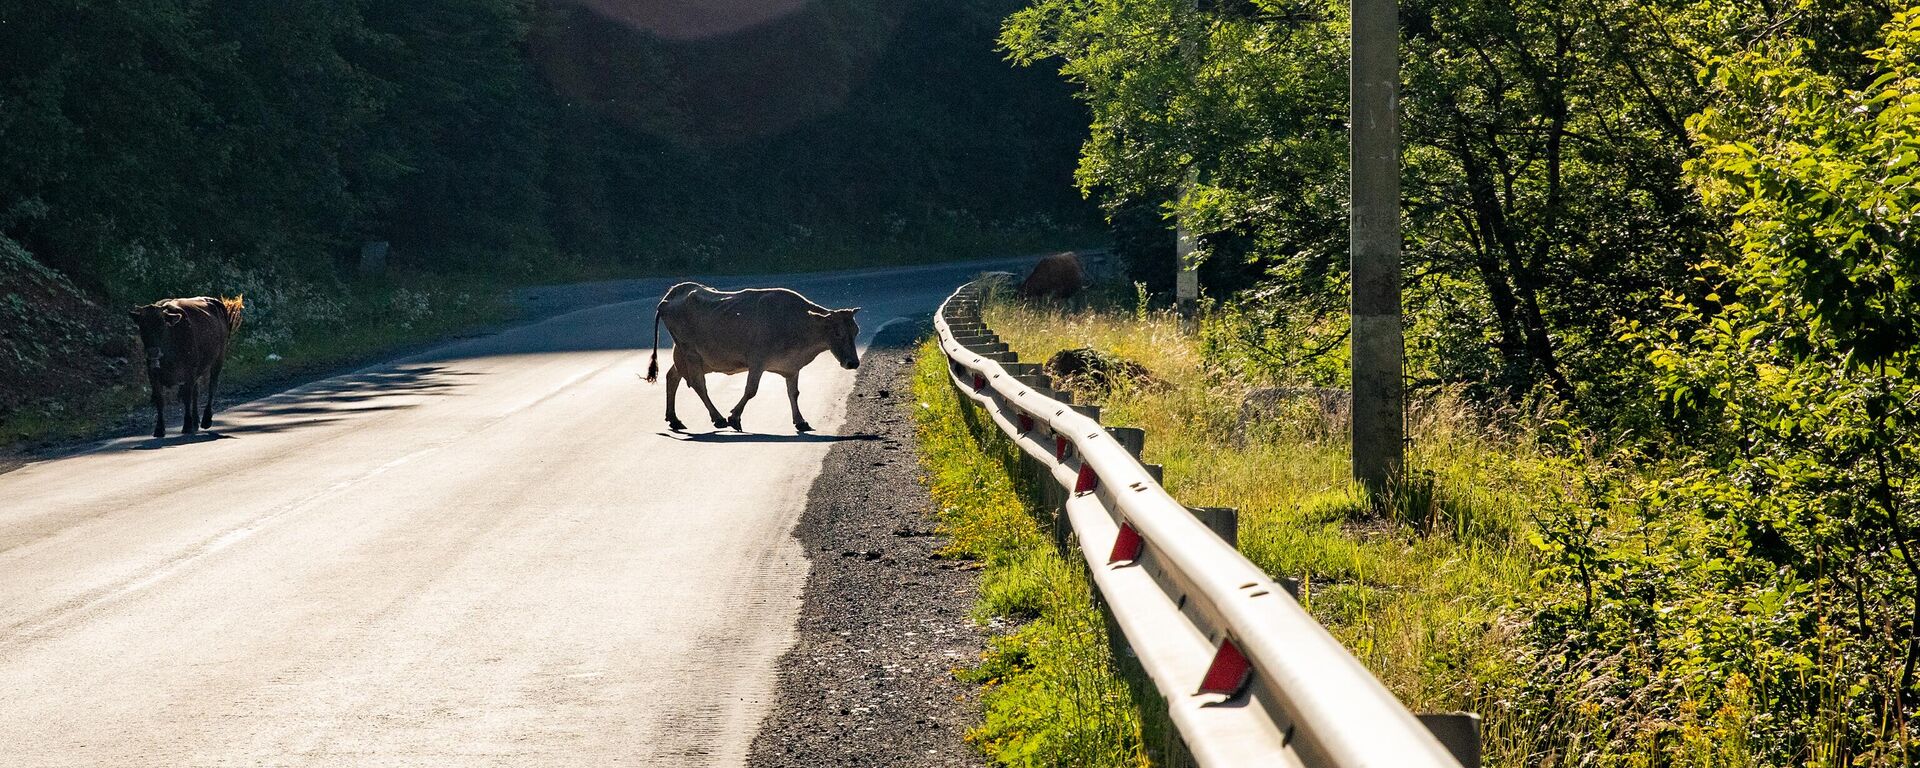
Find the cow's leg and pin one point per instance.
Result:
(698, 383)
(673, 386)
(159, 410)
(189, 405)
(213, 379)
(753, 388)
(793, 398)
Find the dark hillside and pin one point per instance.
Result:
(867, 130)
(177, 147)
(55, 341)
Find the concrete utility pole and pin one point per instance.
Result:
(1379, 426)
(1186, 281)
(1186, 276)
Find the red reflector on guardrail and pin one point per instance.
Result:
(1060, 447)
(1026, 423)
(1126, 546)
(979, 382)
(1087, 481)
(1229, 671)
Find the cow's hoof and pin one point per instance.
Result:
(734, 424)
(206, 423)
(675, 425)
(719, 423)
(159, 432)
(801, 426)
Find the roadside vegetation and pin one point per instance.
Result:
(1418, 596)
(1050, 693)
(1663, 340)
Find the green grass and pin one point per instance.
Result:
(1424, 596)
(1051, 695)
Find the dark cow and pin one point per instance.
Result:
(186, 340)
(756, 331)
(1059, 276)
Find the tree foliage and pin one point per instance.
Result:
(506, 136)
(1544, 145)
(1805, 357)
(1688, 225)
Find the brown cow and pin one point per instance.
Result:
(1059, 276)
(186, 340)
(755, 330)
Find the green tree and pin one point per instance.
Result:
(103, 110)
(463, 139)
(1806, 354)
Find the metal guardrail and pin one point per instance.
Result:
(1250, 678)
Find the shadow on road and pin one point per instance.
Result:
(342, 396)
(326, 402)
(157, 443)
(756, 437)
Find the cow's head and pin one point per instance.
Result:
(157, 326)
(840, 329)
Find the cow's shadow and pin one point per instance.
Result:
(760, 437)
(157, 443)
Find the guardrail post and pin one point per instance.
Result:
(1062, 529)
(1223, 521)
(1159, 473)
(1089, 411)
(1134, 439)
(1459, 732)
(1041, 385)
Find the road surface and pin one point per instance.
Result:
(488, 554)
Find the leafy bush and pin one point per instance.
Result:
(1762, 582)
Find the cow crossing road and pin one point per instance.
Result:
(491, 553)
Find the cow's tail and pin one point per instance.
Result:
(234, 307)
(653, 362)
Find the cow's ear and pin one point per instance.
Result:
(173, 316)
(849, 310)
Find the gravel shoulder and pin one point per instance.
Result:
(883, 621)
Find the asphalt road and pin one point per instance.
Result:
(491, 553)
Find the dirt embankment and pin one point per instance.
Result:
(59, 348)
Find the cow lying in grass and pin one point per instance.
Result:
(186, 341)
(755, 331)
